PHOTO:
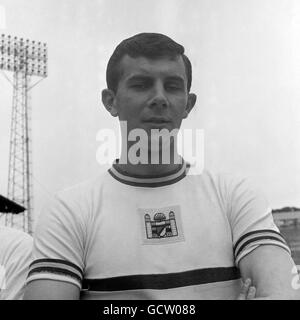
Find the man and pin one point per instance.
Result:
(15, 257)
(150, 229)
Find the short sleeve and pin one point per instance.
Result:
(251, 219)
(59, 241)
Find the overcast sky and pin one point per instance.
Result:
(246, 67)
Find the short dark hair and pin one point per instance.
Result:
(149, 45)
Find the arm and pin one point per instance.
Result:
(270, 268)
(260, 251)
(51, 290)
(57, 268)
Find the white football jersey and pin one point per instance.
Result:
(178, 236)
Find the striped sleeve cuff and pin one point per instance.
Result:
(55, 269)
(252, 240)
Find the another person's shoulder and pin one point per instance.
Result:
(14, 243)
(15, 257)
(10, 237)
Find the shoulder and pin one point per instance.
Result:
(84, 189)
(72, 204)
(12, 237)
(14, 243)
(240, 192)
(221, 182)
(15, 258)
(233, 191)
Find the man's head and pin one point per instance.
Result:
(148, 79)
(149, 45)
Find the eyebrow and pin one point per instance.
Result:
(146, 77)
(175, 78)
(138, 78)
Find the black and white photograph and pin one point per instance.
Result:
(150, 150)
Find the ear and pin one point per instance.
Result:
(192, 98)
(108, 100)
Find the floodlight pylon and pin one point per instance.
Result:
(25, 59)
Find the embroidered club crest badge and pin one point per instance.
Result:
(161, 225)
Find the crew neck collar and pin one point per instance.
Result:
(146, 180)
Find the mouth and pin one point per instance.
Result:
(157, 120)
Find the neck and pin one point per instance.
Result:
(150, 162)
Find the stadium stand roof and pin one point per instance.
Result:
(8, 206)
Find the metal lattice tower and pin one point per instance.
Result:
(24, 59)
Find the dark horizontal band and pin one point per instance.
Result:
(57, 261)
(148, 184)
(162, 281)
(55, 270)
(149, 180)
(255, 232)
(244, 245)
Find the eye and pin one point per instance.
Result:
(139, 86)
(173, 86)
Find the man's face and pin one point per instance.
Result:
(152, 94)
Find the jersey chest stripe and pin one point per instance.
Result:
(163, 281)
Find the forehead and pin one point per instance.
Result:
(160, 67)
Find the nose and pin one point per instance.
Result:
(159, 99)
